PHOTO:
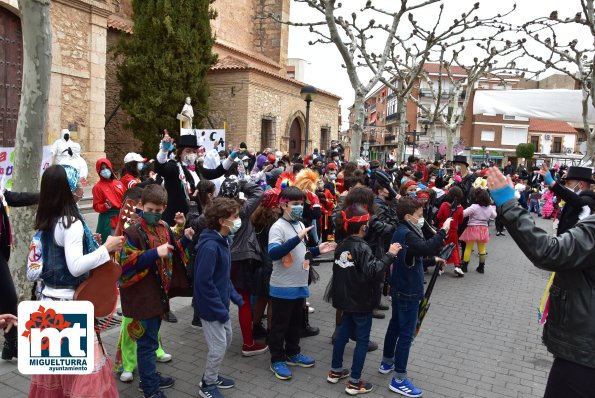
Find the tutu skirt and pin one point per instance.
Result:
(99, 384)
(476, 233)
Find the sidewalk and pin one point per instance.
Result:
(480, 339)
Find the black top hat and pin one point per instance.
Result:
(188, 141)
(580, 173)
(461, 159)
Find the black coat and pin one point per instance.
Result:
(176, 197)
(354, 275)
(382, 227)
(573, 207)
(568, 332)
(13, 199)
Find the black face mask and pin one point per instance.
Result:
(66, 137)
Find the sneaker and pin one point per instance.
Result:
(259, 332)
(281, 370)
(311, 310)
(405, 387)
(300, 360)
(164, 358)
(126, 377)
(459, 272)
(372, 346)
(196, 322)
(334, 377)
(309, 331)
(254, 349)
(378, 315)
(170, 317)
(222, 382)
(210, 391)
(386, 368)
(164, 382)
(358, 388)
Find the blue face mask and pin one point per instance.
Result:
(140, 166)
(413, 195)
(296, 212)
(366, 231)
(332, 177)
(105, 173)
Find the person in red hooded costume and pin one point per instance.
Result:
(108, 194)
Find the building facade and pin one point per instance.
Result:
(77, 85)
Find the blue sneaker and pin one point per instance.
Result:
(385, 368)
(210, 391)
(301, 360)
(222, 382)
(405, 387)
(281, 371)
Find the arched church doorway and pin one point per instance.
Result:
(11, 73)
(295, 137)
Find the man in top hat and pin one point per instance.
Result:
(467, 178)
(577, 193)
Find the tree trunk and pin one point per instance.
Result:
(37, 63)
(450, 137)
(590, 135)
(357, 128)
(402, 130)
(432, 143)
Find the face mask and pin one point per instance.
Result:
(412, 195)
(282, 168)
(458, 168)
(296, 212)
(332, 177)
(151, 217)
(336, 158)
(420, 222)
(576, 188)
(105, 173)
(201, 159)
(140, 166)
(237, 224)
(246, 165)
(190, 159)
(366, 230)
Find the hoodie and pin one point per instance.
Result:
(213, 289)
(112, 190)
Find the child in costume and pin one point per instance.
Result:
(289, 282)
(355, 273)
(454, 196)
(479, 213)
(147, 261)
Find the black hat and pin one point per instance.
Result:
(461, 159)
(188, 141)
(580, 173)
(230, 188)
(374, 164)
(383, 180)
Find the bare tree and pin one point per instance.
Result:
(448, 105)
(37, 51)
(351, 38)
(570, 58)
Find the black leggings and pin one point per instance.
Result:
(569, 379)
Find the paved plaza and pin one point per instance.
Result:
(480, 339)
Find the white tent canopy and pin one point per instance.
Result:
(541, 104)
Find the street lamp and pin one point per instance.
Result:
(308, 94)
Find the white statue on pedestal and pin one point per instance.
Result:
(187, 114)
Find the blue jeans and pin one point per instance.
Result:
(534, 205)
(400, 333)
(145, 355)
(361, 323)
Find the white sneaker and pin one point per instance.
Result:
(126, 377)
(164, 358)
(311, 310)
(440, 272)
(459, 272)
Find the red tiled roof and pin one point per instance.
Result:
(230, 63)
(435, 68)
(119, 23)
(550, 126)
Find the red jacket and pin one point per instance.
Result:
(112, 190)
(128, 180)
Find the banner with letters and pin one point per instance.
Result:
(209, 139)
(7, 165)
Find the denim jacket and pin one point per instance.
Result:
(55, 272)
(407, 278)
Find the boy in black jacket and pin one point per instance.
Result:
(354, 275)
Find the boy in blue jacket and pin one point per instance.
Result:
(407, 290)
(213, 289)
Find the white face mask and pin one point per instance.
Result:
(458, 168)
(190, 159)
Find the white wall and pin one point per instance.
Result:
(568, 141)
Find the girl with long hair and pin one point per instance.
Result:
(451, 208)
(70, 251)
